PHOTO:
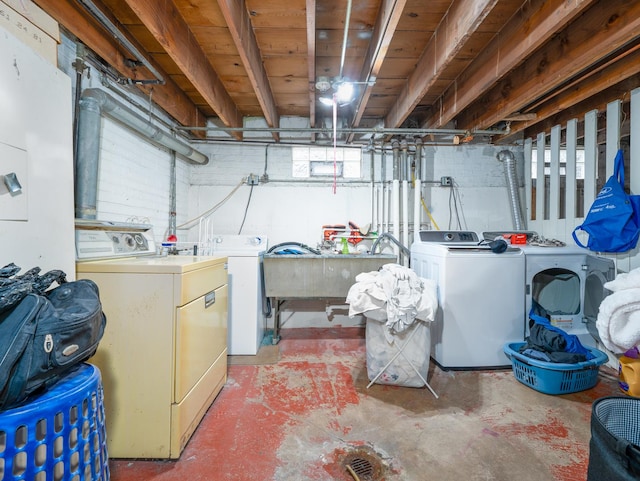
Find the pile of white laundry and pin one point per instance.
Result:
(396, 293)
(618, 321)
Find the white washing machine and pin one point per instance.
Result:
(480, 298)
(568, 282)
(247, 321)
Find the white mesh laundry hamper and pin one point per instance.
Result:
(397, 358)
(399, 307)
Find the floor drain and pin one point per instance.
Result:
(362, 468)
(364, 463)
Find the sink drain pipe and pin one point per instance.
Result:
(509, 160)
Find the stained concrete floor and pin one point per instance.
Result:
(310, 415)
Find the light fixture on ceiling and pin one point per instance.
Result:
(323, 84)
(343, 91)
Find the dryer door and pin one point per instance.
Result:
(599, 271)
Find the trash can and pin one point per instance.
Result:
(614, 449)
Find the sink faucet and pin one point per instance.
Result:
(385, 235)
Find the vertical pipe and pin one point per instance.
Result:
(405, 199)
(417, 191)
(374, 218)
(172, 196)
(384, 226)
(87, 158)
(395, 192)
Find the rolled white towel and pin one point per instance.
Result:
(625, 280)
(618, 321)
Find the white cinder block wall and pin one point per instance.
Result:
(286, 209)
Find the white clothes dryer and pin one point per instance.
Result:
(480, 298)
(568, 282)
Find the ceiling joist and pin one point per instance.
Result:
(172, 32)
(454, 30)
(168, 96)
(237, 17)
(383, 32)
(612, 24)
(534, 24)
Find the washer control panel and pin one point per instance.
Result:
(93, 242)
(445, 237)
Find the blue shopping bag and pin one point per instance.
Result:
(613, 221)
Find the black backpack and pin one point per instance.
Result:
(44, 336)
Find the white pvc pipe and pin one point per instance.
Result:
(417, 210)
(405, 218)
(395, 194)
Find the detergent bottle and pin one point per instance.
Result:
(629, 372)
(345, 246)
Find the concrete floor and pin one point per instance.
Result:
(310, 415)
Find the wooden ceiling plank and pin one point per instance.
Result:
(603, 29)
(172, 32)
(237, 17)
(385, 27)
(599, 81)
(170, 97)
(454, 30)
(311, 60)
(535, 24)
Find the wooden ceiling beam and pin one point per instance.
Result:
(534, 24)
(169, 96)
(311, 61)
(453, 31)
(603, 29)
(172, 32)
(611, 78)
(237, 17)
(385, 27)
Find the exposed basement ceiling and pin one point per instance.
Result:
(468, 65)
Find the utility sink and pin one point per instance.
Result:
(308, 276)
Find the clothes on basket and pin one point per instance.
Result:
(549, 343)
(398, 291)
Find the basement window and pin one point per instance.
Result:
(324, 162)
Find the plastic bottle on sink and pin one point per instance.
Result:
(629, 372)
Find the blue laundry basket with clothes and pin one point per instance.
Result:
(58, 436)
(614, 448)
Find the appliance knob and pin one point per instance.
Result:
(448, 236)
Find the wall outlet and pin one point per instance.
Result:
(446, 181)
(253, 179)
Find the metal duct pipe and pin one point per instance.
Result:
(513, 190)
(87, 155)
(114, 109)
(93, 104)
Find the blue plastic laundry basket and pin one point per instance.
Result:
(58, 436)
(554, 377)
